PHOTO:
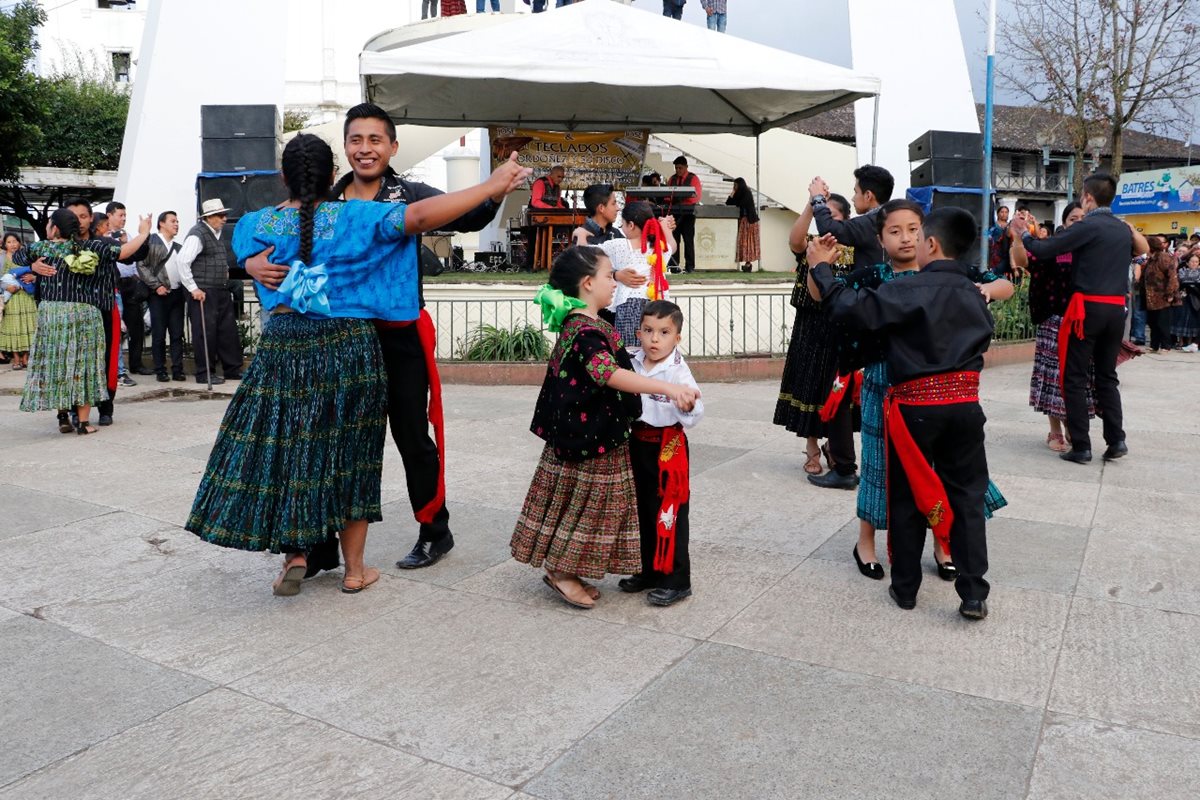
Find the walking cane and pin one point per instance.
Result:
(204, 336)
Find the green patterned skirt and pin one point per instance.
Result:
(19, 323)
(66, 359)
(300, 450)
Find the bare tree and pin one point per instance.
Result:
(1105, 65)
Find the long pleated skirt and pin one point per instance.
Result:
(66, 359)
(1045, 389)
(19, 324)
(748, 250)
(872, 486)
(580, 517)
(300, 450)
(807, 374)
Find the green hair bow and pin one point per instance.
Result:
(555, 306)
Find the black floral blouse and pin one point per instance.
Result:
(577, 413)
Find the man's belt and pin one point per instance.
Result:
(948, 388)
(1072, 322)
(673, 487)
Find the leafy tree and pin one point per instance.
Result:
(294, 120)
(83, 122)
(19, 109)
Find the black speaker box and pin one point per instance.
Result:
(946, 144)
(948, 172)
(239, 122)
(241, 194)
(239, 155)
(430, 264)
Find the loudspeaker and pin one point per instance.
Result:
(430, 265)
(948, 172)
(946, 144)
(239, 122)
(241, 194)
(239, 155)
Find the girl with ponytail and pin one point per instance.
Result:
(579, 519)
(633, 260)
(299, 456)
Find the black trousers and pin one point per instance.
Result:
(111, 344)
(1102, 333)
(951, 437)
(166, 317)
(644, 458)
(685, 240)
(672, 10)
(840, 433)
(224, 344)
(408, 416)
(132, 293)
(1160, 328)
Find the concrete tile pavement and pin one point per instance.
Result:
(136, 661)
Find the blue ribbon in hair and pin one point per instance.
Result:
(304, 289)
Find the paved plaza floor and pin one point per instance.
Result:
(139, 662)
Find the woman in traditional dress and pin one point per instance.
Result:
(626, 254)
(747, 251)
(1186, 325)
(299, 455)
(66, 362)
(19, 323)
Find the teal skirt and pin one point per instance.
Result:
(300, 450)
(66, 359)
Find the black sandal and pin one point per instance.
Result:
(64, 423)
(83, 428)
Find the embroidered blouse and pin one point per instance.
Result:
(368, 262)
(97, 289)
(577, 413)
(625, 255)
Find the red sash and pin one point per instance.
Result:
(673, 487)
(842, 385)
(428, 336)
(114, 355)
(928, 491)
(1072, 322)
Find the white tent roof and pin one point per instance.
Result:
(604, 66)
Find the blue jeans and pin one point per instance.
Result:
(1137, 321)
(716, 22)
(479, 5)
(670, 9)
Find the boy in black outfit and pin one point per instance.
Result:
(937, 329)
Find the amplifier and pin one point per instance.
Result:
(239, 155)
(495, 260)
(948, 172)
(946, 144)
(239, 122)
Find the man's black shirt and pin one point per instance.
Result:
(1102, 246)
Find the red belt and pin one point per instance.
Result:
(114, 352)
(948, 388)
(843, 385)
(673, 487)
(428, 336)
(1072, 322)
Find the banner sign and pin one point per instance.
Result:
(588, 158)
(1158, 191)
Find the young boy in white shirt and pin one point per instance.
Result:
(658, 450)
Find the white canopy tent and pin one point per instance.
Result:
(604, 66)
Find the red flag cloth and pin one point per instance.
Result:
(1072, 322)
(674, 488)
(427, 334)
(114, 355)
(842, 385)
(928, 491)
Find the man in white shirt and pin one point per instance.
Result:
(204, 272)
(160, 271)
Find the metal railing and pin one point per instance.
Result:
(1030, 183)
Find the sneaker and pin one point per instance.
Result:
(125, 380)
(1191, 348)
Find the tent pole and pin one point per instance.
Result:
(875, 133)
(758, 189)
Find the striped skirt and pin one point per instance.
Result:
(748, 250)
(1045, 390)
(300, 450)
(580, 517)
(808, 374)
(66, 359)
(19, 324)
(872, 487)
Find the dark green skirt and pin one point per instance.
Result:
(300, 450)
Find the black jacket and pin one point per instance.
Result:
(1102, 246)
(858, 232)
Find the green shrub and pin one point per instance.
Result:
(523, 343)
(1012, 316)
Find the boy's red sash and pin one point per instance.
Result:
(843, 385)
(673, 487)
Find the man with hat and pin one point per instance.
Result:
(684, 211)
(204, 272)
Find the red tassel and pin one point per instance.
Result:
(674, 489)
(841, 385)
(658, 273)
(428, 336)
(114, 355)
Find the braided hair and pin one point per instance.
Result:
(308, 173)
(68, 226)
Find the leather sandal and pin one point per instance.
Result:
(553, 584)
(354, 584)
(290, 578)
(813, 464)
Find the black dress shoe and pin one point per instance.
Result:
(162, 377)
(973, 609)
(832, 480)
(668, 597)
(1115, 451)
(234, 376)
(178, 376)
(872, 569)
(142, 371)
(106, 419)
(1078, 456)
(908, 604)
(946, 570)
(216, 380)
(636, 583)
(426, 554)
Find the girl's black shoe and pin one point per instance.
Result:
(873, 569)
(946, 570)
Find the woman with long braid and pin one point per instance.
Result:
(299, 455)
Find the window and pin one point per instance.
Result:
(121, 62)
(1017, 170)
